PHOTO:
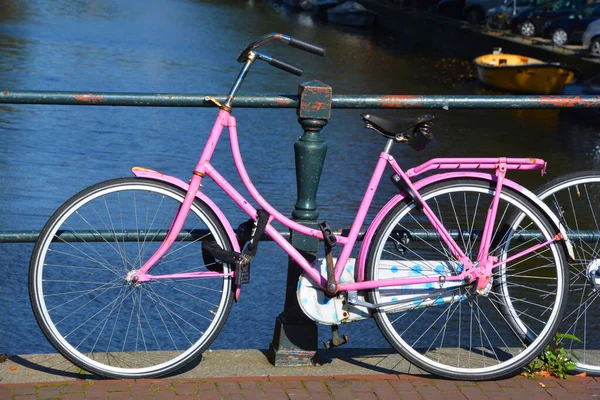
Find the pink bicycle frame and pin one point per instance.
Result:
(478, 268)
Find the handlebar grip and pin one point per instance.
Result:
(311, 48)
(285, 66)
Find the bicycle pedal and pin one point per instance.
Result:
(242, 273)
(336, 342)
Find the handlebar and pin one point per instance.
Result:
(281, 64)
(306, 46)
(297, 43)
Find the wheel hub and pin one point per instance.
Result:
(132, 278)
(593, 273)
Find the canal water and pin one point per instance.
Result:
(48, 153)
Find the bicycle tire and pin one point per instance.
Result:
(452, 331)
(574, 197)
(92, 315)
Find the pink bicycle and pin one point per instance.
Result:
(464, 270)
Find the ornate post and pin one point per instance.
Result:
(296, 336)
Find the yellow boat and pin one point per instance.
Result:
(523, 74)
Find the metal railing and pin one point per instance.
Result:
(445, 102)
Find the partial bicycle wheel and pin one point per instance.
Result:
(576, 200)
(452, 329)
(88, 309)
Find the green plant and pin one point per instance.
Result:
(555, 360)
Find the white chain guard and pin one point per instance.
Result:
(336, 310)
(329, 310)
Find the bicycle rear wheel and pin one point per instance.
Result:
(451, 329)
(576, 200)
(88, 310)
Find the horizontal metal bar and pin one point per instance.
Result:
(199, 234)
(111, 236)
(291, 101)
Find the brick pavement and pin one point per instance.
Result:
(380, 386)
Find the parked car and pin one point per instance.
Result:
(500, 17)
(591, 38)
(530, 23)
(475, 10)
(567, 30)
(450, 8)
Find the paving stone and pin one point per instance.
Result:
(429, 392)
(497, 395)
(165, 395)
(118, 386)
(277, 396)
(473, 392)
(327, 396)
(49, 392)
(446, 385)
(291, 384)
(253, 394)
(210, 395)
(96, 395)
(410, 395)
(360, 386)
(453, 394)
(228, 387)
(119, 396)
(272, 387)
(341, 392)
(574, 386)
(331, 383)
(298, 393)
(508, 383)
(365, 396)
(185, 388)
(385, 392)
(161, 385)
(5, 392)
(530, 385)
(487, 386)
(71, 396)
(314, 387)
(201, 386)
(417, 380)
(140, 389)
(521, 393)
(23, 390)
(402, 385)
(73, 387)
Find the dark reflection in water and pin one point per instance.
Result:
(48, 153)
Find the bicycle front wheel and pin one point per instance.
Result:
(88, 309)
(451, 329)
(576, 200)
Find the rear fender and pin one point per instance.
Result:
(364, 249)
(150, 174)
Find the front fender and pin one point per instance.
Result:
(151, 174)
(364, 248)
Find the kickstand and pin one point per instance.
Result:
(336, 339)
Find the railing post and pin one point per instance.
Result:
(296, 336)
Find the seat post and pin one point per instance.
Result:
(388, 146)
